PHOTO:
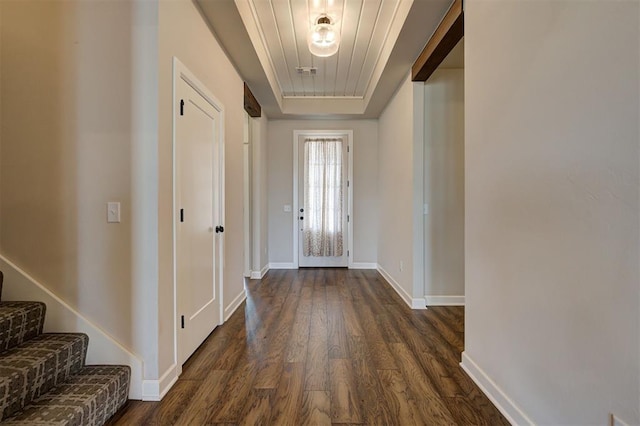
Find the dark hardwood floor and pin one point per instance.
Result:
(325, 346)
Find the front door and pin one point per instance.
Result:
(197, 192)
(322, 201)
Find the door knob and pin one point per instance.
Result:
(301, 218)
(219, 229)
(301, 210)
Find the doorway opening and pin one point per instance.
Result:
(322, 198)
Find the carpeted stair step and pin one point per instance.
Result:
(19, 322)
(30, 370)
(88, 398)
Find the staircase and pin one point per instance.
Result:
(43, 376)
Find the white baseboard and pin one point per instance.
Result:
(282, 266)
(258, 275)
(413, 303)
(363, 265)
(444, 300)
(155, 390)
(235, 303)
(61, 317)
(509, 410)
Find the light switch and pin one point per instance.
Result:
(113, 212)
(287, 208)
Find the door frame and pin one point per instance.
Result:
(294, 213)
(180, 71)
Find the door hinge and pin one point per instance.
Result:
(348, 218)
(347, 253)
(181, 215)
(348, 184)
(181, 106)
(182, 321)
(348, 148)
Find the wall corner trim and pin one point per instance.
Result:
(258, 275)
(62, 317)
(413, 303)
(418, 303)
(444, 300)
(507, 407)
(155, 390)
(235, 304)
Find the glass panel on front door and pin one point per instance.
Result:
(322, 214)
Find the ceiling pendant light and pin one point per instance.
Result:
(323, 38)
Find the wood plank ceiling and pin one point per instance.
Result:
(380, 41)
(368, 29)
(363, 24)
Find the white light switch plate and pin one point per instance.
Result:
(113, 212)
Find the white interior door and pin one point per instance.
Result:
(197, 201)
(322, 201)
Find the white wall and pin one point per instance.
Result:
(444, 186)
(365, 182)
(400, 192)
(552, 207)
(79, 129)
(184, 34)
(260, 225)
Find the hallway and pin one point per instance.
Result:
(324, 346)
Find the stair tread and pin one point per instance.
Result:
(89, 397)
(19, 322)
(33, 368)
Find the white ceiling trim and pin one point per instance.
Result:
(246, 10)
(314, 105)
(334, 98)
(366, 55)
(279, 37)
(399, 17)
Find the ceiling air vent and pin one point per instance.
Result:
(306, 70)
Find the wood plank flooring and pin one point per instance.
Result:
(322, 347)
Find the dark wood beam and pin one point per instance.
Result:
(251, 105)
(444, 39)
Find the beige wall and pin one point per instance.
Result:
(552, 207)
(71, 90)
(280, 165)
(184, 34)
(395, 187)
(444, 183)
(86, 101)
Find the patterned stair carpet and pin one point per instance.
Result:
(43, 376)
(89, 397)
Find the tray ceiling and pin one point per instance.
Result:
(344, 83)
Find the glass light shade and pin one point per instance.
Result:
(323, 39)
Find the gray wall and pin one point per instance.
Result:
(552, 207)
(365, 184)
(444, 183)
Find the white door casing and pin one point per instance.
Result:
(299, 137)
(198, 212)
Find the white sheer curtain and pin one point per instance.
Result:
(322, 230)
